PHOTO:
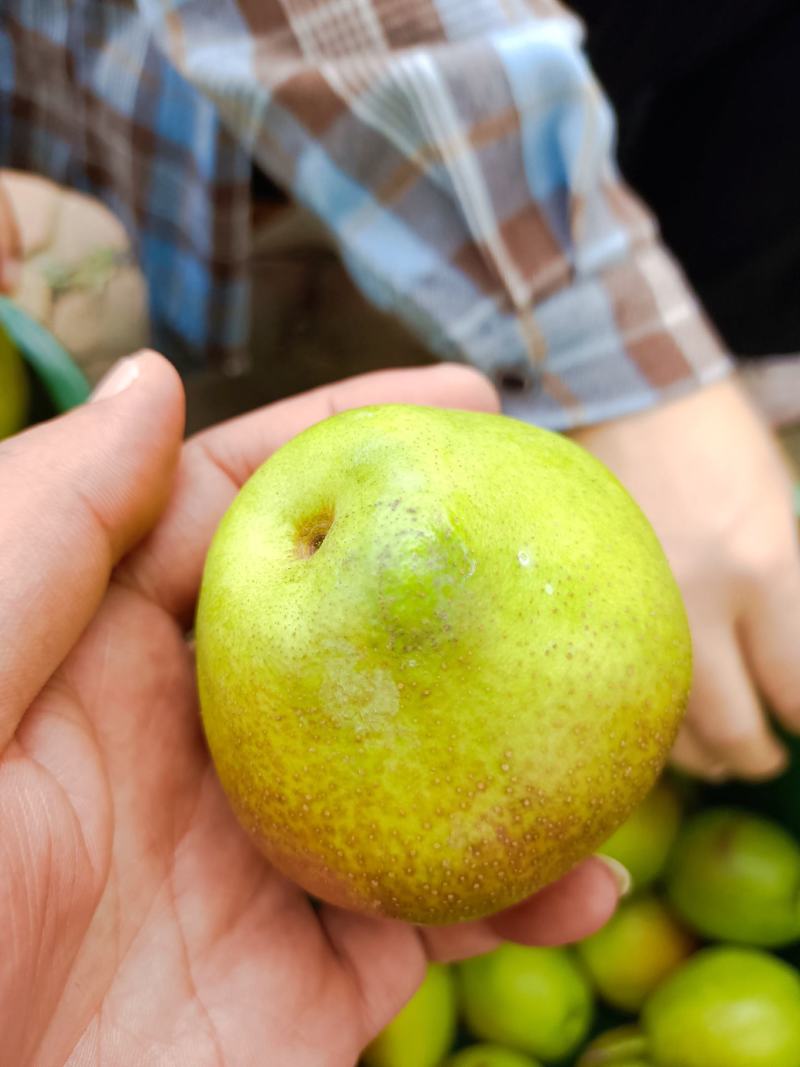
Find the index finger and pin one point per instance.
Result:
(216, 463)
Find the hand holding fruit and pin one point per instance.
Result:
(143, 917)
(709, 476)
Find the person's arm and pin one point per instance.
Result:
(462, 157)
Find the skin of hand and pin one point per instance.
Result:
(710, 476)
(10, 246)
(141, 925)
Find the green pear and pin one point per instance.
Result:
(642, 844)
(726, 1007)
(624, 1047)
(635, 951)
(441, 656)
(735, 876)
(536, 1000)
(490, 1056)
(424, 1030)
(13, 388)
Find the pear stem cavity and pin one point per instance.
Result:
(311, 533)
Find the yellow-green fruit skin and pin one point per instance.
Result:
(726, 1007)
(13, 388)
(643, 843)
(490, 1056)
(734, 876)
(625, 1046)
(441, 656)
(536, 1000)
(422, 1033)
(634, 952)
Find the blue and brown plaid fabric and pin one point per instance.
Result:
(459, 151)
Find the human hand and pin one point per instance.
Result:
(142, 927)
(711, 478)
(10, 245)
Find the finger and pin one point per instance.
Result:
(447, 944)
(568, 910)
(572, 908)
(771, 637)
(725, 714)
(217, 462)
(690, 756)
(10, 244)
(384, 960)
(77, 493)
(388, 965)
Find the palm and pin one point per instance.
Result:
(185, 946)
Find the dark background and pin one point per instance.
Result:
(708, 99)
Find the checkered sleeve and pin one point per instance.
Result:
(461, 153)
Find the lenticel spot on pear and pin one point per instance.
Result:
(441, 657)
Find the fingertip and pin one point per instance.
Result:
(771, 764)
(148, 371)
(468, 387)
(146, 395)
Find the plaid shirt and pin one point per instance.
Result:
(459, 152)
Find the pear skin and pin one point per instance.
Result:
(635, 951)
(490, 1056)
(735, 876)
(441, 657)
(536, 1000)
(643, 843)
(726, 1007)
(625, 1046)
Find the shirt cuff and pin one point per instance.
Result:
(624, 340)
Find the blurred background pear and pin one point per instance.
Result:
(735, 876)
(424, 1030)
(537, 1000)
(635, 951)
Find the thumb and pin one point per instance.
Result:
(77, 493)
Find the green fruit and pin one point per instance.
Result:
(423, 1032)
(736, 877)
(536, 1000)
(489, 1056)
(13, 388)
(440, 657)
(635, 951)
(642, 844)
(624, 1047)
(727, 1007)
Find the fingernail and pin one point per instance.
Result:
(620, 874)
(119, 378)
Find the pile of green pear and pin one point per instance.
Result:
(696, 969)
